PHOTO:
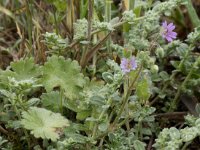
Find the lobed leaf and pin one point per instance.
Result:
(65, 74)
(43, 123)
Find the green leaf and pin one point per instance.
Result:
(83, 114)
(103, 126)
(192, 13)
(164, 75)
(108, 77)
(43, 123)
(77, 138)
(25, 69)
(132, 76)
(51, 100)
(143, 89)
(188, 134)
(20, 70)
(65, 74)
(175, 64)
(33, 101)
(60, 5)
(138, 145)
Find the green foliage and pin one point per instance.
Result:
(105, 107)
(52, 100)
(141, 114)
(80, 29)
(54, 42)
(194, 36)
(173, 138)
(128, 16)
(60, 5)
(18, 82)
(169, 139)
(192, 13)
(44, 123)
(4, 144)
(143, 89)
(119, 140)
(25, 69)
(73, 138)
(63, 74)
(21, 70)
(138, 145)
(188, 134)
(103, 26)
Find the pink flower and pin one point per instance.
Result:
(167, 32)
(128, 64)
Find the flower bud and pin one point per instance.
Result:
(154, 69)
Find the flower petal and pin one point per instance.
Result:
(169, 35)
(173, 35)
(164, 24)
(171, 28)
(169, 39)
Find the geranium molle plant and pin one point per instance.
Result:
(167, 31)
(128, 64)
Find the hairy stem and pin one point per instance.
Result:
(97, 123)
(125, 100)
(114, 125)
(186, 145)
(89, 35)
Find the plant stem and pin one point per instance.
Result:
(93, 50)
(101, 143)
(126, 86)
(131, 4)
(107, 19)
(90, 16)
(97, 123)
(103, 40)
(138, 132)
(61, 101)
(55, 19)
(94, 60)
(118, 24)
(2, 130)
(127, 116)
(24, 130)
(125, 100)
(89, 35)
(70, 16)
(29, 23)
(185, 145)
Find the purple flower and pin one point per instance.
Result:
(128, 64)
(167, 32)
